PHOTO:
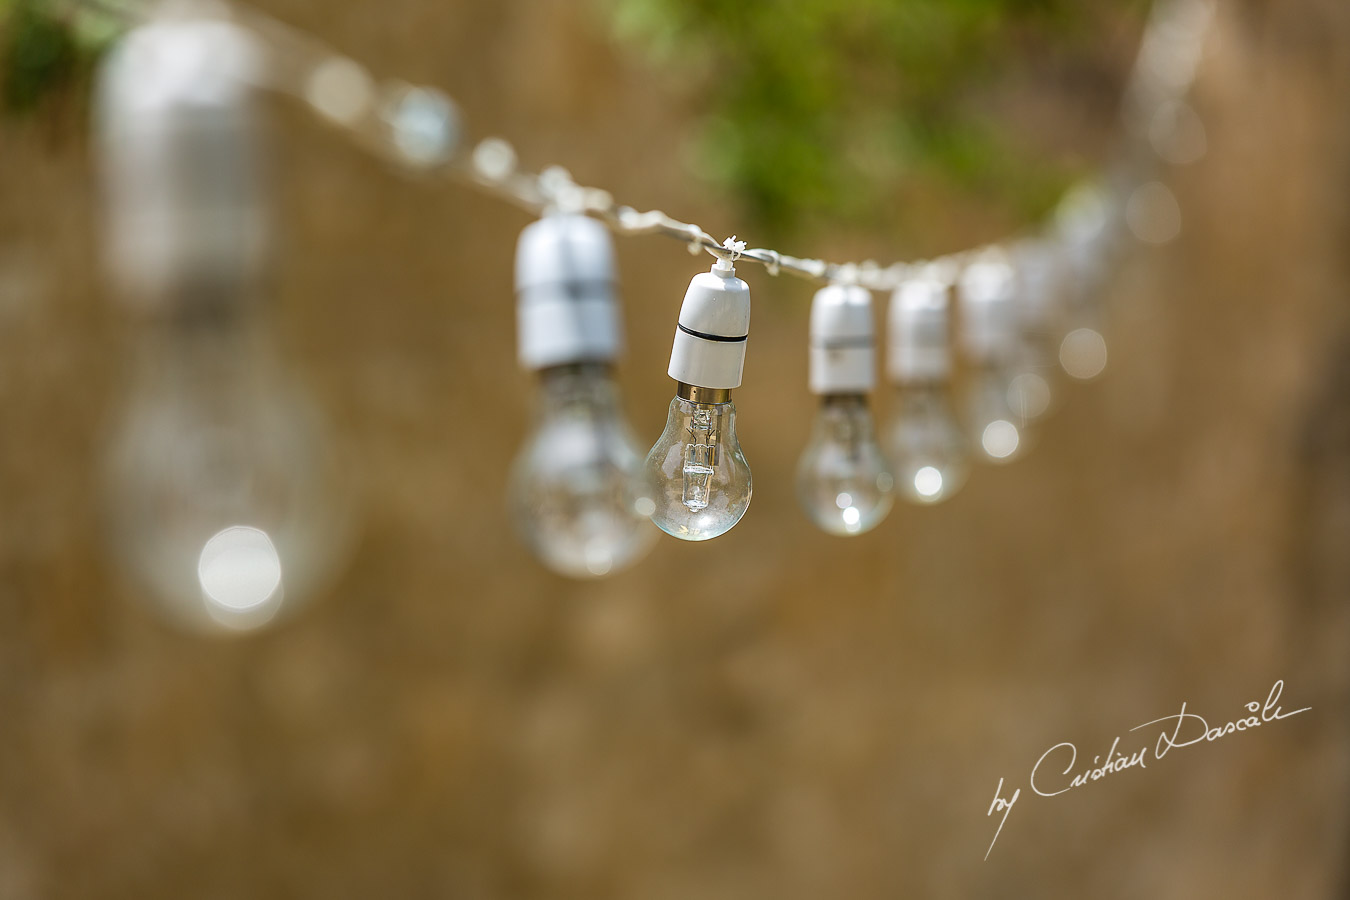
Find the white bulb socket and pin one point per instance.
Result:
(713, 329)
(178, 142)
(918, 331)
(843, 341)
(566, 310)
(989, 318)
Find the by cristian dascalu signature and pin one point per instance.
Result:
(1058, 771)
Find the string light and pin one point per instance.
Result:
(1039, 298)
(928, 450)
(578, 497)
(696, 468)
(843, 480)
(990, 340)
(576, 491)
(221, 492)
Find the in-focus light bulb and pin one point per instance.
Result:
(698, 475)
(221, 492)
(930, 457)
(577, 493)
(843, 480)
(700, 478)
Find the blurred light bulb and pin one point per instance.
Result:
(1090, 237)
(843, 479)
(699, 477)
(991, 338)
(222, 494)
(929, 454)
(1153, 214)
(930, 457)
(220, 488)
(576, 491)
(1082, 353)
(1039, 297)
(1177, 134)
(996, 427)
(1088, 257)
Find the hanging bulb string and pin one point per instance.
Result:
(419, 129)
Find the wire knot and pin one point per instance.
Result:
(695, 240)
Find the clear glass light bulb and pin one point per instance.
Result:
(843, 480)
(221, 494)
(930, 457)
(997, 429)
(576, 492)
(700, 479)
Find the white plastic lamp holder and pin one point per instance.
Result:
(918, 331)
(185, 213)
(714, 325)
(843, 341)
(565, 305)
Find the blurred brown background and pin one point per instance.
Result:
(774, 714)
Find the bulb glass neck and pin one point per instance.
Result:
(922, 385)
(205, 305)
(575, 371)
(202, 334)
(843, 401)
(695, 394)
(576, 386)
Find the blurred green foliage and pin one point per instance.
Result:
(813, 107)
(39, 54)
(826, 106)
(47, 47)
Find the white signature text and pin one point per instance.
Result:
(1058, 770)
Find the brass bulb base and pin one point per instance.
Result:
(695, 394)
